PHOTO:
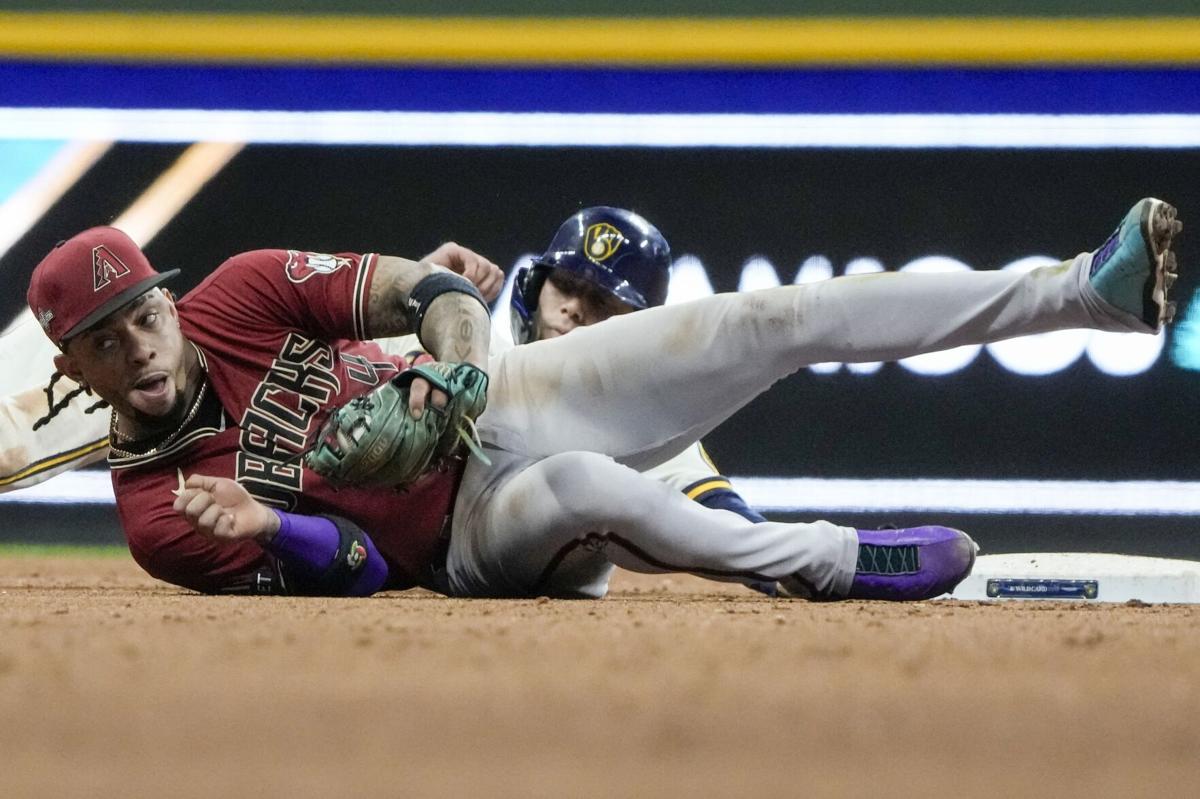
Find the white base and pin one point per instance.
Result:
(1083, 577)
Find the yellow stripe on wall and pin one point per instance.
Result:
(681, 41)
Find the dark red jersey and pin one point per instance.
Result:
(277, 332)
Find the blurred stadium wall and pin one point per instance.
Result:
(772, 142)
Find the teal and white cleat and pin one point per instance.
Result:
(1135, 268)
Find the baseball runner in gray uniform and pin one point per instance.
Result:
(570, 419)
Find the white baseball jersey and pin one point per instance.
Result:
(73, 438)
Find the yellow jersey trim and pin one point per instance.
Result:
(54, 461)
(747, 41)
(708, 485)
(707, 458)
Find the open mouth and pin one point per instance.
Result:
(152, 385)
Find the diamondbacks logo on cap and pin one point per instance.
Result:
(45, 317)
(600, 241)
(106, 267)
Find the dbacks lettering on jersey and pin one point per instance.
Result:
(276, 425)
(303, 265)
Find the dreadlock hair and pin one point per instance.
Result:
(55, 407)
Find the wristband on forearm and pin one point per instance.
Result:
(428, 289)
(331, 554)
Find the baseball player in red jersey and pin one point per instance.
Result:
(238, 394)
(227, 388)
(50, 425)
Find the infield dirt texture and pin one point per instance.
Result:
(115, 685)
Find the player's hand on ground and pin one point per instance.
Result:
(221, 509)
(486, 276)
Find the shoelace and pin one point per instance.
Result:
(878, 559)
(472, 440)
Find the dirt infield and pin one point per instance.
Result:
(114, 685)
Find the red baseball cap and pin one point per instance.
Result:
(86, 278)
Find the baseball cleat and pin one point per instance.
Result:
(911, 563)
(1135, 268)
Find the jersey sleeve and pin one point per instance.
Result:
(69, 439)
(324, 295)
(162, 542)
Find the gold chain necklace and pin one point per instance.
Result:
(115, 435)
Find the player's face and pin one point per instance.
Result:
(568, 301)
(134, 359)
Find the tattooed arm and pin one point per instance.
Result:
(456, 327)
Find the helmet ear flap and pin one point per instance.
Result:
(527, 286)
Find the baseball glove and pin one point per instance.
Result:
(374, 441)
(466, 388)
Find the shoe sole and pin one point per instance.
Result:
(1160, 225)
(974, 547)
(974, 555)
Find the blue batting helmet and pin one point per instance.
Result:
(615, 249)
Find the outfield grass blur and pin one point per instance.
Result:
(62, 551)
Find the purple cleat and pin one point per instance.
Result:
(911, 563)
